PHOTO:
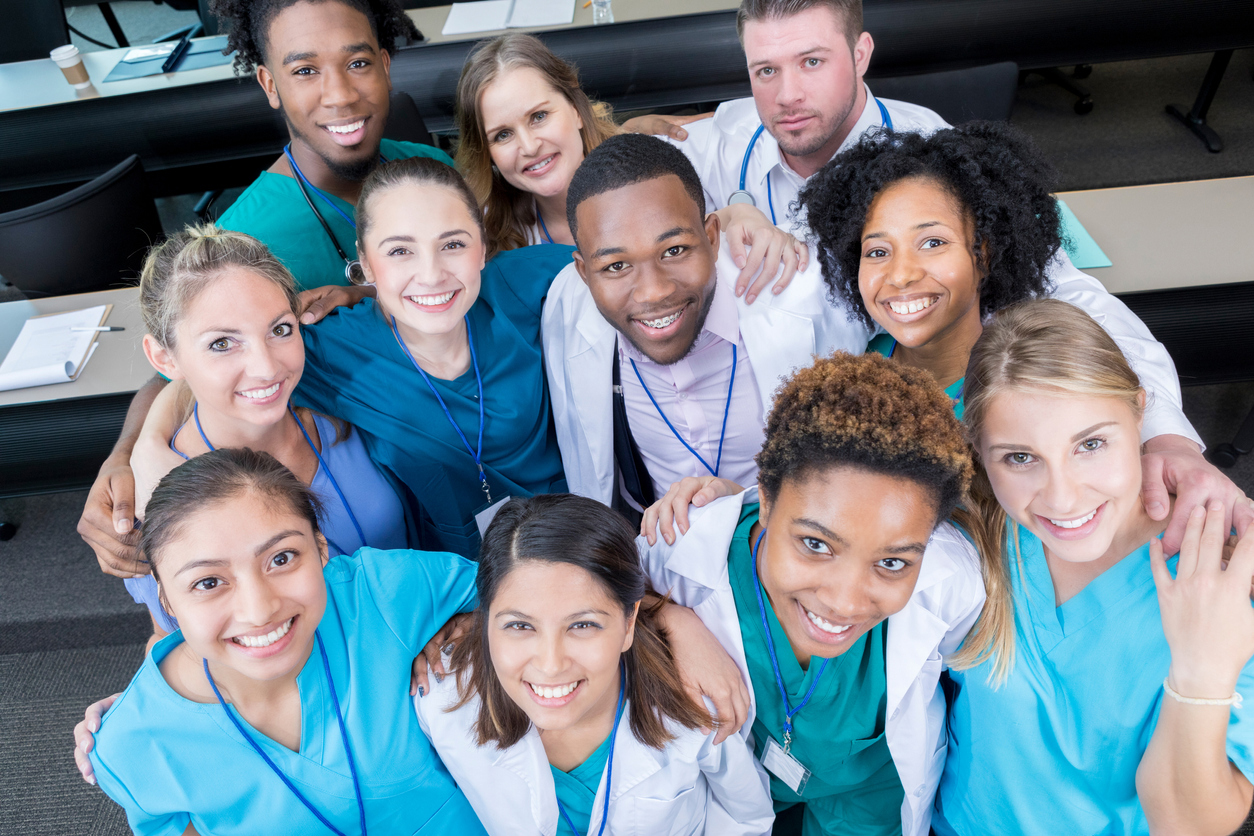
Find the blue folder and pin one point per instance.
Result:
(146, 61)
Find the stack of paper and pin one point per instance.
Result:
(48, 351)
(489, 15)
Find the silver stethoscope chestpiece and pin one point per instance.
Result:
(741, 196)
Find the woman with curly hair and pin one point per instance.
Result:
(325, 65)
(843, 585)
(927, 236)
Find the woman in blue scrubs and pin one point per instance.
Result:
(281, 705)
(221, 313)
(1103, 683)
(441, 372)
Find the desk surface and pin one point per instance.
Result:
(29, 84)
(117, 366)
(1170, 235)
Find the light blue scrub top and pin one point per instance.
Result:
(1056, 749)
(168, 760)
(577, 790)
(374, 502)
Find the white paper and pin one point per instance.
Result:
(530, 13)
(480, 16)
(47, 351)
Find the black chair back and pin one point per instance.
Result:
(91, 238)
(405, 123)
(31, 29)
(985, 93)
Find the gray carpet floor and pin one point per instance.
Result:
(69, 634)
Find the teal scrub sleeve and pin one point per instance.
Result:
(141, 821)
(1240, 743)
(417, 592)
(517, 281)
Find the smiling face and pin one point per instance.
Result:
(555, 635)
(423, 252)
(806, 81)
(532, 131)
(648, 260)
(238, 346)
(325, 70)
(1073, 478)
(920, 275)
(244, 579)
(842, 552)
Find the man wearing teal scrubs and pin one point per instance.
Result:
(325, 67)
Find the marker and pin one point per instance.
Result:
(101, 328)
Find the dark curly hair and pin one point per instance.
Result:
(249, 24)
(869, 413)
(995, 173)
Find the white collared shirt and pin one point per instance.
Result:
(693, 395)
(717, 148)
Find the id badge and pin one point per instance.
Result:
(785, 767)
(484, 518)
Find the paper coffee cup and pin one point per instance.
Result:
(71, 64)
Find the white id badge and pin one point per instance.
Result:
(785, 767)
(484, 518)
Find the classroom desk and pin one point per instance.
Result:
(56, 437)
(1180, 260)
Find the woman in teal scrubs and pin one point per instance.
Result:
(843, 586)
(567, 714)
(441, 373)
(1105, 695)
(281, 705)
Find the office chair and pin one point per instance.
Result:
(985, 93)
(32, 29)
(91, 238)
(1054, 75)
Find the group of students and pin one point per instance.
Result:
(926, 543)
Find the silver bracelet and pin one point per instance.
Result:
(1234, 700)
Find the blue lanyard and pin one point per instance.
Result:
(548, 238)
(789, 711)
(477, 452)
(322, 462)
(352, 764)
(726, 411)
(609, 768)
(886, 121)
(287, 149)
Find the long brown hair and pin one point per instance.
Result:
(508, 211)
(1044, 344)
(564, 528)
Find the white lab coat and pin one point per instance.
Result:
(946, 602)
(689, 787)
(783, 333)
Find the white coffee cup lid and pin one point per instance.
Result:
(61, 53)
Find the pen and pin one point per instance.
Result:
(586, 5)
(101, 328)
(171, 63)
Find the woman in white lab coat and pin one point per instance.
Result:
(563, 712)
(839, 587)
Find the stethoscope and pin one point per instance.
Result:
(742, 196)
(302, 182)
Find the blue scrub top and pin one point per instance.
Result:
(1056, 748)
(168, 760)
(356, 370)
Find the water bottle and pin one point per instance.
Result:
(602, 12)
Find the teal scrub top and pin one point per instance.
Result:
(168, 760)
(356, 370)
(839, 736)
(1056, 748)
(273, 211)
(577, 790)
(884, 344)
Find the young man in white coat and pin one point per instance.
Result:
(641, 331)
